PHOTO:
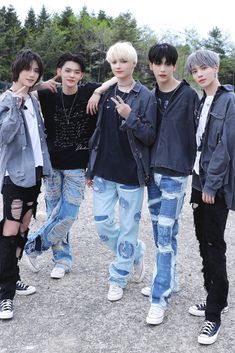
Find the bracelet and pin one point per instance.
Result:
(96, 92)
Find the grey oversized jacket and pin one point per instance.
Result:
(218, 148)
(140, 127)
(16, 152)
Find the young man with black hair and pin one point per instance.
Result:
(69, 129)
(213, 186)
(172, 159)
(24, 159)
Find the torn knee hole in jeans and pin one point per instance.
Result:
(194, 206)
(16, 208)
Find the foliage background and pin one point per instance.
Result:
(91, 35)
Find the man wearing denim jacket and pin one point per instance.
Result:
(213, 186)
(119, 166)
(172, 158)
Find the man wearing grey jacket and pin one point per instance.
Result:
(24, 159)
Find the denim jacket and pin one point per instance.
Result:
(140, 127)
(217, 161)
(16, 152)
(175, 145)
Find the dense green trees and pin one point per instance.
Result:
(91, 35)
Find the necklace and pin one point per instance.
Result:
(123, 93)
(129, 84)
(67, 116)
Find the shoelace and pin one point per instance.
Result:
(201, 306)
(6, 304)
(208, 327)
(21, 285)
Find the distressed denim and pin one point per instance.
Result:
(63, 195)
(121, 238)
(165, 201)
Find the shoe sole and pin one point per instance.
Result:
(201, 313)
(146, 291)
(25, 293)
(114, 299)
(6, 316)
(57, 276)
(208, 340)
(151, 321)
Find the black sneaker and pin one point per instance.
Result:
(199, 309)
(209, 332)
(6, 309)
(24, 289)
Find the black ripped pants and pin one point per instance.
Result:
(210, 221)
(17, 201)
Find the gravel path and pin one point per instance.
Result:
(72, 315)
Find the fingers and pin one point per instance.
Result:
(23, 89)
(89, 183)
(93, 104)
(208, 198)
(117, 100)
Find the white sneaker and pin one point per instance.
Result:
(32, 263)
(57, 272)
(115, 292)
(139, 271)
(146, 291)
(155, 315)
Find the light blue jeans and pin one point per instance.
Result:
(165, 201)
(63, 195)
(121, 238)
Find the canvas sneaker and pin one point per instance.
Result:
(24, 289)
(57, 272)
(6, 309)
(209, 332)
(155, 315)
(199, 309)
(139, 271)
(115, 292)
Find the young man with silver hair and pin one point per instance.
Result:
(213, 187)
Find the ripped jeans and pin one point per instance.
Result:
(63, 195)
(121, 238)
(165, 201)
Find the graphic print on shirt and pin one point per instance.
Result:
(72, 133)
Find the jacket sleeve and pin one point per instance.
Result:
(143, 124)
(218, 168)
(10, 121)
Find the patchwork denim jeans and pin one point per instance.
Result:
(165, 201)
(121, 238)
(63, 195)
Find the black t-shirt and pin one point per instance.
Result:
(115, 161)
(68, 127)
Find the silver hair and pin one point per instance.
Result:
(202, 57)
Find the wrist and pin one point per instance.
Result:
(96, 91)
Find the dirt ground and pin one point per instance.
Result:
(73, 315)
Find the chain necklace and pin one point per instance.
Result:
(67, 116)
(123, 93)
